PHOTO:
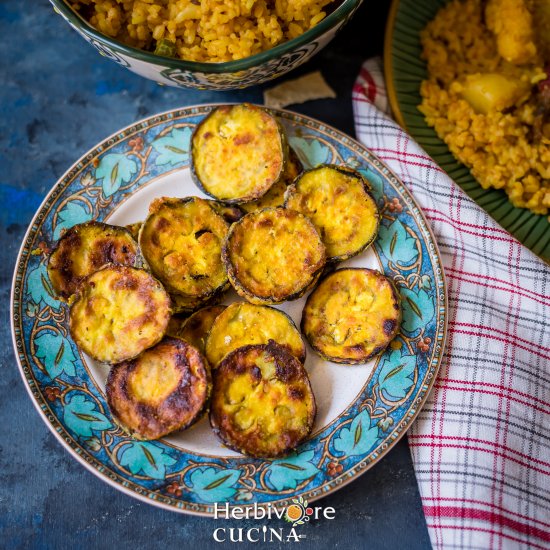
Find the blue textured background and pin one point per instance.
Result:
(58, 99)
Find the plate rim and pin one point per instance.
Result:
(339, 481)
(399, 117)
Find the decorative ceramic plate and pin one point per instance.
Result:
(362, 410)
(404, 71)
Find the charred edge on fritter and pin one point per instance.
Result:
(288, 373)
(103, 243)
(181, 407)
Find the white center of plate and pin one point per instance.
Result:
(336, 387)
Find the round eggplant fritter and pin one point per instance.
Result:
(181, 240)
(273, 255)
(242, 324)
(352, 315)
(84, 249)
(338, 201)
(196, 328)
(276, 194)
(163, 390)
(262, 402)
(118, 312)
(238, 152)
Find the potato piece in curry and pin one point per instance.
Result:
(242, 324)
(118, 312)
(273, 255)
(164, 389)
(181, 240)
(238, 152)
(84, 249)
(352, 315)
(262, 402)
(338, 202)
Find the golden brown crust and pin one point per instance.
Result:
(337, 199)
(276, 194)
(181, 240)
(238, 152)
(85, 248)
(195, 329)
(352, 315)
(163, 390)
(242, 324)
(273, 255)
(118, 312)
(262, 402)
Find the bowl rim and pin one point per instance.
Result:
(342, 11)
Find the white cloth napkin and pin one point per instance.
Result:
(481, 445)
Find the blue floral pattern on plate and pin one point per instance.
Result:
(75, 409)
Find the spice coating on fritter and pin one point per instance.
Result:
(181, 240)
(273, 255)
(118, 312)
(165, 389)
(242, 324)
(338, 202)
(262, 402)
(238, 152)
(352, 315)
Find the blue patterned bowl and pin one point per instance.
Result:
(214, 76)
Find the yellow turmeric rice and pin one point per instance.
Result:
(488, 93)
(203, 30)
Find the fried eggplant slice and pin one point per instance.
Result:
(242, 324)
(338, 201)
(195, 329)
(276, 194)
(181, 240)
(84, 249)
(118, 312)
(164, 389)
(352, 315)
(238, 152)
(262, 402)
(273, 255)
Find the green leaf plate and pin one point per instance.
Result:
(404, 71)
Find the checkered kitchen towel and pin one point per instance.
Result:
(481, 445)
